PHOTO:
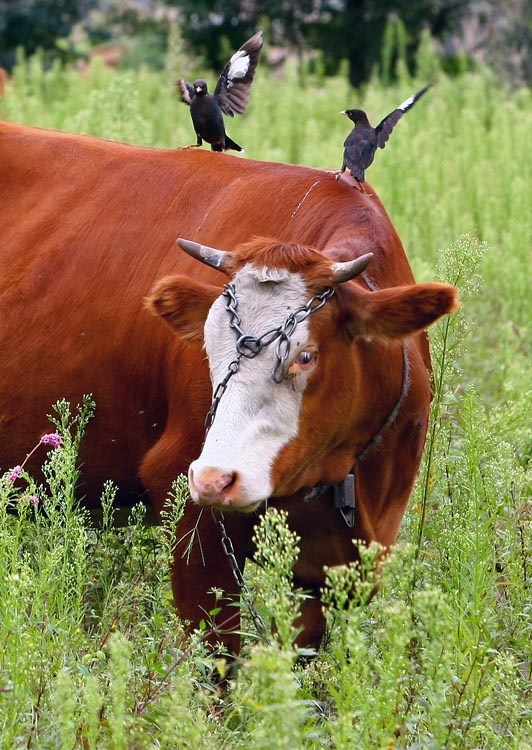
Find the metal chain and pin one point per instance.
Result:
(249, 346)
(219, 392)
(245, 593)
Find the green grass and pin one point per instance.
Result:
(92, 653)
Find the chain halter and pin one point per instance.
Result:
(249, 346)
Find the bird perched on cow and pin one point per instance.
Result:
(362, 142)
(230, 96)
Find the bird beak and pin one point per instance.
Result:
(342, 112)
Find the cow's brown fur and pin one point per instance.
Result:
(4, 78)
(88, 229)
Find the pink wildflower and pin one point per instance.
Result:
(15, 473)
(34, 499)
(52, 439)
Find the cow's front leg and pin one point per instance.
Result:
(311, 620)
(202, 578)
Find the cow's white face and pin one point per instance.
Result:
(256, 416)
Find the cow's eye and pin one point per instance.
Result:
(306, 359)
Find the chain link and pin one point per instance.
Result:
(219, 391)
(249, 346)
(245, 593)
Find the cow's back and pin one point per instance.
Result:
(96, 194)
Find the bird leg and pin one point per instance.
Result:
(195, 145)
(339, 174)
(360, 186)
(348, 179)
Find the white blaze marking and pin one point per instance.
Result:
(256, 417)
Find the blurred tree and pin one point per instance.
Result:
(341, 29)
(501, 35)
(34, 24)
(366, 33)
(139, 28)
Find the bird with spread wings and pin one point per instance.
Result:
(230, 96)
(362, 142)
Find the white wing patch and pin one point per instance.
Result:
(238, 65)
(407, 103)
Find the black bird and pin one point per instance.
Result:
(230, 95)
(362, 142)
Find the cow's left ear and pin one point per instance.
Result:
(398, 312)
(183, 304)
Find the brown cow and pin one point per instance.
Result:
(89, 231)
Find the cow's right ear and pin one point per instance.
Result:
(400, 311)
(183, 304)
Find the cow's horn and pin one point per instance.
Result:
(349, 269)
(209, 255)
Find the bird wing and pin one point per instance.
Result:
(185, 90)
(385, 127)
(234, 85)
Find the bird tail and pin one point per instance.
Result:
(230, 144)
(409, 103)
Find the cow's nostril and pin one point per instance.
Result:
(224, 481)
(209, 485)
(232, 480)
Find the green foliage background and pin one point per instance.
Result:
(92, 654)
